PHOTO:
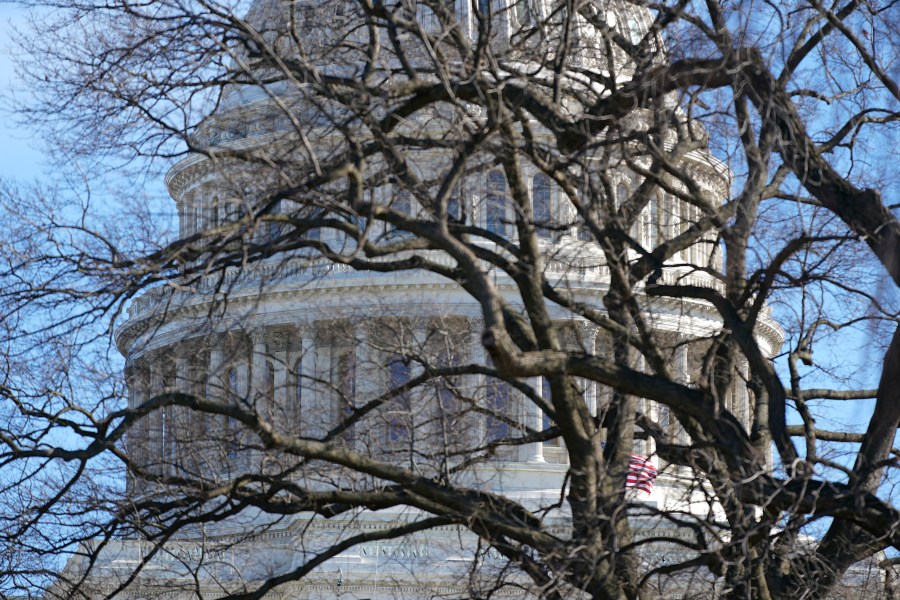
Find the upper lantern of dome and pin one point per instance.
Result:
(332, 39)
(313, 22)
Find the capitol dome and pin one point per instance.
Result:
(327, 296)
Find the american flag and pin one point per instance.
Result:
(641, 473)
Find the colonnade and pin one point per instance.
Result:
(311, 379)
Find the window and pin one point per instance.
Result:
(495, 209)
(541, 205)
(345, 373)
(401, 203)
(398, 410)
(670, 216)
(634, 30)
(646, 225)
(183, 218)
(197, 211)
(498, 404)
(522, 11)
(584, 233)
(310, 213)
(234, 210)
(455, 209)
(657, 221)
(213, 212)
(231, 380)
(450, 409)
(665, 417)
(272, 229)
(621, 195)
(426, 17)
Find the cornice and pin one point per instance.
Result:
(678, 309)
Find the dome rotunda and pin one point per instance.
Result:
(310, 300)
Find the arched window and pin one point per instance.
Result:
(498, 405)
(455, 205)
(670, 216)
(193, 215)
(271, 228)
(308, 209)
(646, 225)
(234, 210)
(402, 203)
(541, 205)
(345, 373)
(689, 217)
(651, 237)
(183, 208)
(231, 380)
(450, 410)
(522, 11)
(495, 219)
(398, 410)
(584, 231)
(634, 30)
(212, 217)
(621, 194)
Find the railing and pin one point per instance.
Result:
(300, 271)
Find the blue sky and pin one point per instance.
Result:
(20, 157)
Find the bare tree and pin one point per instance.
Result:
(422, 246)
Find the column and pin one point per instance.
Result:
(684, 377)
(258, 373)
(180, 415)
(156, 421)
(419, 413)
(322, 414)
(536, 419)
(216, 391)
(132, 439)
(182, 221)
(278, 350)
(476, 327)
(743, 394)
(588, 334)
(304, 413)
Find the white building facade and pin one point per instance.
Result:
(312, 345)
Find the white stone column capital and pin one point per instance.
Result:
(259, 336)
(278, 340)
